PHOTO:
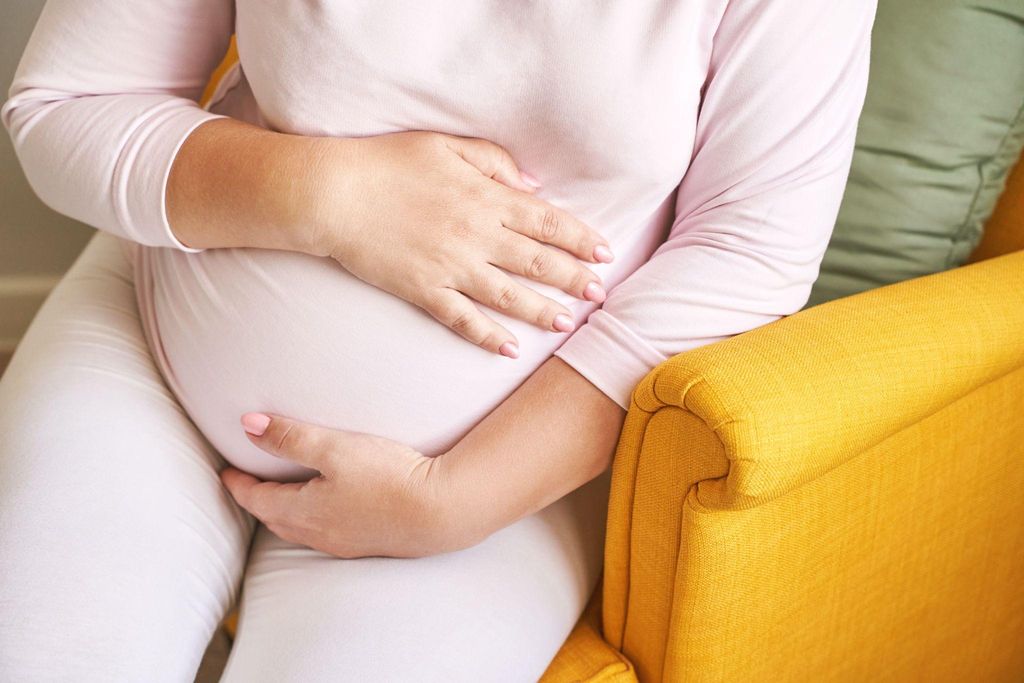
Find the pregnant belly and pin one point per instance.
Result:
(237, 330)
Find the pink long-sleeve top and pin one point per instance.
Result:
(708, 140)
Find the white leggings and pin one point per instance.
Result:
(120, 551)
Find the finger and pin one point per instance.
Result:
(493, 161)
(543, 222)
(265, 500)
(521, 255)
(493, 287)
(451, 308)
(300, 442)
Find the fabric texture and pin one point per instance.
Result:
(709, 142)
(832, 496)
(942, 125)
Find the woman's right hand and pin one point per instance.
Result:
(437, 219)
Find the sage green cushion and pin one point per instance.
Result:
(942, 126)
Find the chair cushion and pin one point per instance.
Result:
(586, 657)
(941, 127)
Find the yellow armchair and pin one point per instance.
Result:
(833, 496)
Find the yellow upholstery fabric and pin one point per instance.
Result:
(834, 495)
(885, 543)
(230, 57)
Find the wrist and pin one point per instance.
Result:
(235, 184)
(453, 519)
(331, 181)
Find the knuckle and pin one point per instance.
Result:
(539, 265)
(505, 159)
(546, 318)
(437, 303)
(287, 438)
(507, 297)
(436, 144)
(499, 157)
(462, 322)
(490, 341)
(550, 225)
(433, 139)
(444, 310)
(420, 295)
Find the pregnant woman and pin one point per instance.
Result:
(356, 341)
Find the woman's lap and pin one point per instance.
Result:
(120, 550)
(497, 611)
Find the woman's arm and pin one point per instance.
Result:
(235, 184)
(756, 208)
(754, 214)
(104, 118)
(556, 432)
(103, 97)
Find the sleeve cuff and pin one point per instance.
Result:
(147, 168)
(610, 355)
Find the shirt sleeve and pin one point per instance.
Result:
(104, 95)
(756, 208)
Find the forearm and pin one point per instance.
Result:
(234, 184)
(556, 432)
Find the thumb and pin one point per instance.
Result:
(493, 161)
(290, 439)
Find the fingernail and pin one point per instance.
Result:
(563, 323)
(255, 423)
(529, 179)
(509, 349)
(603, 254)
(594, 292)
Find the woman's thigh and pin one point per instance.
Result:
(494, 612)
(119, 549)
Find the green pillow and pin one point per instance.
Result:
(943, 124)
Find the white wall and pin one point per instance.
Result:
(36, 244)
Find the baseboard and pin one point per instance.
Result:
(20, 298)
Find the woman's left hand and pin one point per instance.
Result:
(374, 496)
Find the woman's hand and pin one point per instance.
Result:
(437, 219)
(374, 496)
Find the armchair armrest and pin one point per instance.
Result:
(739, 423)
